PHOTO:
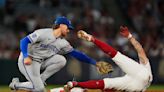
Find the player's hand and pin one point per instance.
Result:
(27, 61)
(83, 35)
(124, 31)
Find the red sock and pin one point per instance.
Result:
(93, 84)
(105, 47)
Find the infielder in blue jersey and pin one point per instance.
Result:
(44, 49)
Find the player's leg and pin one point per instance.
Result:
(107, 83)
(52, 65)
(128, 65)
(109, 50)
(32, 74)
(92, 84)
(118, 83)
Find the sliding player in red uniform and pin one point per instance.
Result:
(138, 75)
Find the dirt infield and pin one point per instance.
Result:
(155, 91)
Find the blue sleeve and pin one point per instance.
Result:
(82, 57)
(24, 46)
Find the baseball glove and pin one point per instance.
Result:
(104, 67)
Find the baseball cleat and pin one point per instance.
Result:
(71, 84)
(13, 82)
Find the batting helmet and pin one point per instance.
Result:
(63, 20)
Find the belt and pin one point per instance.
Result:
(40, 59)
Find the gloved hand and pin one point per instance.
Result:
(104, 67)
(124, 31)
(83, 35)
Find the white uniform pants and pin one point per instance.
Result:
(32, 72)
(136, 78)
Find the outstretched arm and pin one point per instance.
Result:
(141, 53)
(106, 48)
(82, 57)
(102, 66)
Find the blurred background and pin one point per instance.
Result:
(101, 18)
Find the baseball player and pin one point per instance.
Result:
(138, 75)
(44, 49)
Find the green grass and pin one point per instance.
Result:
(4, 89)
(152, 87)
(156, 87)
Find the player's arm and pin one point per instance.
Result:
(31, 38)
(24, 46)
(68, 49)
(141, 53)
(106, 48)
(82, 57)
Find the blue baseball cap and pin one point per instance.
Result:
(63, 20)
